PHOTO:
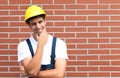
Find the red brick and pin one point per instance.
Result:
(3, 24)
(3, 12)
(98, 18)
(87, 57)
(49, 24)
(4, 58)
(3, 1)
(75, 18)
(109, 12)
(17, 12)
(109, 68)
(3, 35)
(64, 23)
(64, 12)
(12, 24)
(20, 2)
(55, 29)
(64, 1)
(115, 40)
(109, 45)
(42, 1)
(9, 18)
(109, 1)
(71, 46)
(115, 74)
(9, 64)
(9, 7)
(65, 34)
(97, 63)
(72, 57)
(98, 52)
(71, 69)
(10, 74)
(77, 52)
(109, 34)
(115, 6)
(98, 40)
(55, 18)
(115, 51)
(13, 46)
(87, 1)
(98, 29)
(76, 41)
(115, 29)
(3, 46)
(75, 29)
(9, 30)
(99, 74)
(25, 29)
(110, 57)
(15, 69)
(8, 52)
(76, 74)
(98, 6)
(115, 63)
(87, 12)
(14, 35)
(13, 57)
(86, 35)
(87, 68)
(3, 69)
(115, 18)
(75, 6)
(53, 7)
(76, 63)
(87, 24)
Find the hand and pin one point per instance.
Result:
(24, 73)
(42, 38)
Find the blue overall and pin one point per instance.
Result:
(52, 62)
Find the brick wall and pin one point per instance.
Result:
(91, 29)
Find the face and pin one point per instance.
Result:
(37, 25)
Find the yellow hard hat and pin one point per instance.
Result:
(34, 10)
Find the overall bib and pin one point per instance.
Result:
(52, 62)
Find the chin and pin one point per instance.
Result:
(38, 34)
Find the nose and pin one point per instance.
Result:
(38, 25)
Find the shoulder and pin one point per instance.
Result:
(60, 41)
(22, 44)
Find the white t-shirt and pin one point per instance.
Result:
(60, 51)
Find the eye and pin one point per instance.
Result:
(40, 22)
(33, 24)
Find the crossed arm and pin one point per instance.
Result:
(58, 72)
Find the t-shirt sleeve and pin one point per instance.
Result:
(23, 51)
(61, 49)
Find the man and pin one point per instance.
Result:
(42, 55)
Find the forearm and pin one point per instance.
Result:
(53, 73)
(35, 63)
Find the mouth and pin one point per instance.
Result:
(38, 31)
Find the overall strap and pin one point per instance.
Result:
(30, 47)
(53, 50)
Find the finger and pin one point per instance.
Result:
(21, 68)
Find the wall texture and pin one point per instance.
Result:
(91, 29)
